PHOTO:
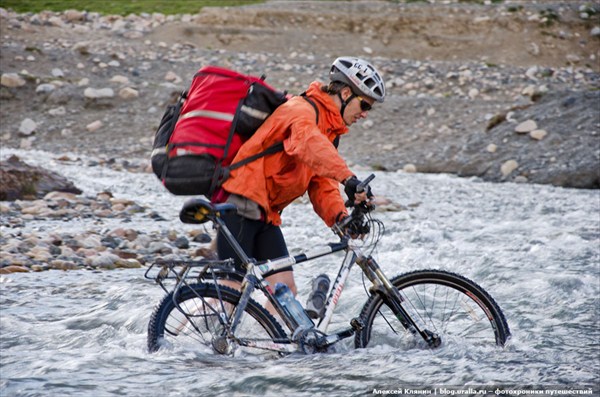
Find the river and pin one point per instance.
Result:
(535, 248)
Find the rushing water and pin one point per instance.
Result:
(534, 248)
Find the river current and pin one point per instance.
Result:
(535, 249)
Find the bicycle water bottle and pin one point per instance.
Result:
(292, 307)
(315, 306)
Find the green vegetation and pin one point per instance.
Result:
(121, 7)
(515, 8)
(481, 2)
(549, 17)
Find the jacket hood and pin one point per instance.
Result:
(328, 108)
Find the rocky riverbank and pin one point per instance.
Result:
(121, 247)
(92, 228)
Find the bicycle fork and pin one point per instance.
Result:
(392, 297)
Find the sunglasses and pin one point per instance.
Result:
(364, 105)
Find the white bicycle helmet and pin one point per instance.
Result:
(360, 75)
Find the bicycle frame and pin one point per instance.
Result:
(254, 278)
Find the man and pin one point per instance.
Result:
(309, 162)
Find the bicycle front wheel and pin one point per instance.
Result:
(446, 304)
(197, 315)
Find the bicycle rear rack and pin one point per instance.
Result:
(181, 272)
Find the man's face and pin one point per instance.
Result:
(357, 108)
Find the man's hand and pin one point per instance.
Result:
(357, 228)
(355, 197)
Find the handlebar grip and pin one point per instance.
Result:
(361, 186)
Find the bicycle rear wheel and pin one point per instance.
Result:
(196, 316)
(447, 304)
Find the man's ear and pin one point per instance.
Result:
(346, 93)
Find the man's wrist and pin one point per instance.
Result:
(347, 179)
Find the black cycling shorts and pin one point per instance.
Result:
(258, 239)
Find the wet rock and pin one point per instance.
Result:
(128, 263)
(181, 242)
(110, 241)
(526, 126)
(13, 269)
(20, 180)
(12, 80)
(508, 167)
(98, 93)
(60, 264)
(411, 168)
(206, 252)
(105, 261)
(538, 134)
(128, 93)
(94, 126)
(202, 237)
(27, 127)
(158, 247)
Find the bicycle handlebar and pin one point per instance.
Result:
(358, 210)
(363, 185)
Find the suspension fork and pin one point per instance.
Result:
(393, 298)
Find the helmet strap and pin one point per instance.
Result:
(345, 103)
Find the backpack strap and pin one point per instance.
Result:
(336, 141)
(314, 105)
(277, 147)
(176, 113)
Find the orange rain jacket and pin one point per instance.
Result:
(309, 161)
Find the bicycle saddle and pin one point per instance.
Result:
(200, 211)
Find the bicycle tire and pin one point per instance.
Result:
(202, 304)
(464, 307)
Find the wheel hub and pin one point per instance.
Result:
(221, 344)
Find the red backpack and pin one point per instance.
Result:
(199, 136)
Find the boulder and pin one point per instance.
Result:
(23, 181)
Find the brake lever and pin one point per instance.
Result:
(363, 185)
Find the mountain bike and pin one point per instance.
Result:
(208, 303)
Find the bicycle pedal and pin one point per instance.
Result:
(357, 324)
